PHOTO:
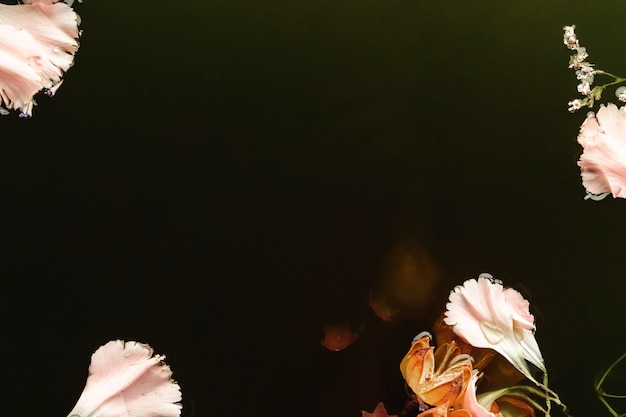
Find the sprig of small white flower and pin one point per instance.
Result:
(585, 73)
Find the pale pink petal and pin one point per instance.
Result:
(478, 312)
(37, 47)
(470, 403)
(19, 81)
(40, 1)
(69, 2)
(603, 162)
(125, 380)
(520, 308)
(485, 316)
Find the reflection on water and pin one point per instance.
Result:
(406, 283)
(338, 337)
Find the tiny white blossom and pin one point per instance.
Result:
(575, 61)
(582, 53)
(621, 93)
(584, 88)
(574, 105)
(569, 37)
(585, 72)
(578, 59)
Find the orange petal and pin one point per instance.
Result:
(444, 354)
(448, 387)
(460, 413)
(418, 364)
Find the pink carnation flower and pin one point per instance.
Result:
(126, 380)
(487, 315)
(603, 162)
(38, 41)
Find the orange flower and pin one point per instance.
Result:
(438, 378)
(497, 371)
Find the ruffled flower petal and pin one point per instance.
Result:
(38, 41)
(125, 380)
(486, 315)
(603, 161)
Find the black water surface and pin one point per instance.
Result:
(220, 179)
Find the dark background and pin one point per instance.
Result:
(220, 179)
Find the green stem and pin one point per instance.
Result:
(608, 371)
(616, 80)
(615, 77)
(608, 407)
(619, 397)
(599, 391)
